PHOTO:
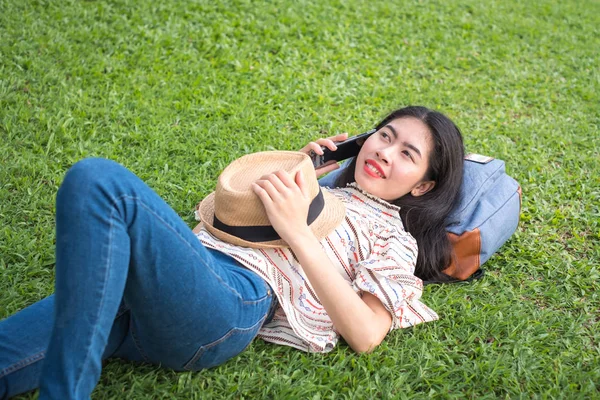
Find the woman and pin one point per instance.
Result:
(133, 281)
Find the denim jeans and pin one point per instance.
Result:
(132, 281)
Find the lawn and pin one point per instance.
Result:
(175, 90)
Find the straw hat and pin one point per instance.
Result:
(235, 214)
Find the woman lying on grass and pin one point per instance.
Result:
(133, 281)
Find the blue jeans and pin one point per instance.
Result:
(132, 281)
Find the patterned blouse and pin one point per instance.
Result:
(370, 249)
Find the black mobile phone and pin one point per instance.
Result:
(346, 149)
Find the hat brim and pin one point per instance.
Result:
(330, 218)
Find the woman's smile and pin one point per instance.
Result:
(374, 169)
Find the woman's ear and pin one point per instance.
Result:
(422, 188)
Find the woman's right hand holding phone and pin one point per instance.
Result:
(330, 144)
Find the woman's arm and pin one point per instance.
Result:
(363, 322)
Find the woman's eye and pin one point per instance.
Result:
(407, 153)
(384, 135)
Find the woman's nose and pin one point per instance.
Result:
(383, 156)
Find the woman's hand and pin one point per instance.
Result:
(286, 200)
(362, 322)
(330, 144)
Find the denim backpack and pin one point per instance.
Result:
(486, 216)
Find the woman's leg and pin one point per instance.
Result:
(119, 243)
(24, 339)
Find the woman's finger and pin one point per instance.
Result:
(339, 137)
(262, 194)
(312, 147)
(327, 143)
(268, 187)
(286, 179)
(299, 180)
(316, 148)
(331, 142)
(277, 179)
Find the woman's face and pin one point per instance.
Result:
(394, 160)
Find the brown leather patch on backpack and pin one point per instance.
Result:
(465, 260)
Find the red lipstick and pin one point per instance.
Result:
(368, 170)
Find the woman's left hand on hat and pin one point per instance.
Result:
(286, 201)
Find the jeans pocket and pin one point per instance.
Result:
(228, 346)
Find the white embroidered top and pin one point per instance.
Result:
(370, 249)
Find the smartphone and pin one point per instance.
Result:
(346, 149)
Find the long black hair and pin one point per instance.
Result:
(425, 216)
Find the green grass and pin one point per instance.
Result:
(175, 90)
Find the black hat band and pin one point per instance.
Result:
(262, 233)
